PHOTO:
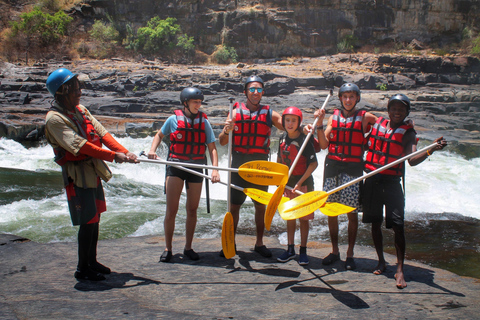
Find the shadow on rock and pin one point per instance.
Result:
(115, 281)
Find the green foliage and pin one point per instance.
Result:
(225, 54)
(476, 46)
(103, 32)
(157, 36)
(186, 44)
(347, 44)
(467, 33)
(37, 25)
(382, 87)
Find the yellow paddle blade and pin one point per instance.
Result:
(333, 209)
(273, 205)
(228, 236)
(258, 195)
(303, 205)
(264, 173)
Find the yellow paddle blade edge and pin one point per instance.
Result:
(228, 236)
(303, 205)
(272, 205)
(333, 209)
(264, 173)
(258, 195)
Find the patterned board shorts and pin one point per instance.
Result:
(349, 196)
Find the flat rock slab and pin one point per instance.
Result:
(37, 283)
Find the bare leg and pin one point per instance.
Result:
(193, 199)
(304, 229)
(400, 248)
(260, 222)
(352, 232)
(377, 237)
(291, 226)
(333, 228)
(174, 187)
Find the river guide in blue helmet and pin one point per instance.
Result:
(344, 136)
(250, 124)
(390, 140)
(190, 134)
(77, 139)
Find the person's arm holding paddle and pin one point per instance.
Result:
(229, 125)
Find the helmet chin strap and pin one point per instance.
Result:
(256, 105)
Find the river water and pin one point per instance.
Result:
(442, 216)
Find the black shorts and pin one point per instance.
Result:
(238, 197)
(184, 175)
(383, 190)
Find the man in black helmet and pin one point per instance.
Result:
(191, 135)
(250, 125)
(345, 140)
(390, 140)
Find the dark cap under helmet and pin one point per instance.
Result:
(402, 98)
(190, 93)
(347, 87)
(253, 79)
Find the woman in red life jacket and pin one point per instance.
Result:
(190, 134)
(301, 178)
(390, 140)
(77, 139)
(250, 125)
(344, 137)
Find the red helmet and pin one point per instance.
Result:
(294, 111)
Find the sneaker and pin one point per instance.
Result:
(166, 256)
(192, 255)
(264, 252)
(303, 259)
(350, 264)
(100, 268)
(331, 258)
(88, 275)
(286, 256)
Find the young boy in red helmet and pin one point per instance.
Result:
(344, 137)
(301, 178)
(390, 140)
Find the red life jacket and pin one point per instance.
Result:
(288, 153)
(385, 146)
(189, 140)
(87, 131)
(252, 130)
(346, 139)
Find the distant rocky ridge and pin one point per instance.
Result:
(135, 98)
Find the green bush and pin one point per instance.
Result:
(104, 32)
(37, 25)
(476, 46)
(159, 35)
(347, 44)
(225, 54)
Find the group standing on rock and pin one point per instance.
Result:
(77, 139)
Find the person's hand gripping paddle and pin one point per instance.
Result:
(228, 228)
(278, 194)
(311, 201)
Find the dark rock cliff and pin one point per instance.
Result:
(276, 28)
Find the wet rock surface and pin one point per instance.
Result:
(37, 283)
(135, 98)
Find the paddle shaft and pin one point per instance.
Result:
(185, 164)
(299, 154)
(229, 159)
(374, 172)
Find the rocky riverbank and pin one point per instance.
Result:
(135, 98)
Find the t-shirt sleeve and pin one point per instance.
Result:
(209, 134)
(170, 125)
(309, 152)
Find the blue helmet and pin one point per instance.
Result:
(58, 78)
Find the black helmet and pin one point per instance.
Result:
(190, 93)
(347, 87)
(253, 79)
(402, 98)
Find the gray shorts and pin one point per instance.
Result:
(349, 196)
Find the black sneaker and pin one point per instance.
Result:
(264, 251)
(192, 255)
(286, 256)
(100, 268)
(166, 256)
(89, 275)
